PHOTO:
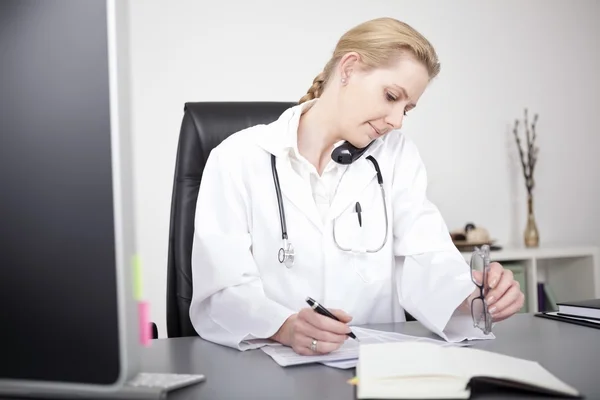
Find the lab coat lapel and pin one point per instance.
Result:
(297, 191)
(358, 175)
(275, 139)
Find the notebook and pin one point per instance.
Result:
(583, 309)
(589, 322)
(425, 370)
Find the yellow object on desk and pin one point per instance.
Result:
(353, 381)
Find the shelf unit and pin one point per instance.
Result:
(573, 272)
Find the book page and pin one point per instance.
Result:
(403, 360)
(409, 370)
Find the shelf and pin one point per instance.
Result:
(522, 253)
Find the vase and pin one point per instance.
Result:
(531, 235)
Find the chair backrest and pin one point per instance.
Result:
(204, 126)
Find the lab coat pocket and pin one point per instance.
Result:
(363, 241)
(347, 231)
(362, 231)
(373, 232)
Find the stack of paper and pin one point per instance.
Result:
(347, 355)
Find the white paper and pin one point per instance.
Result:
(347, 355)
(344, 364)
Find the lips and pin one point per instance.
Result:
(375, 129)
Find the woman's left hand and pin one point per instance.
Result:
(504, 297)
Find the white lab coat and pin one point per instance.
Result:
(240, 290)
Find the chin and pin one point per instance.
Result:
(360, 142)
(364, 141)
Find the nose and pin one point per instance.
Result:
(395, 118)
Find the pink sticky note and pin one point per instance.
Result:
(144, 318)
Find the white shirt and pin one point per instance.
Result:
(322, 186)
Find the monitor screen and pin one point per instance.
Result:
(58, 295)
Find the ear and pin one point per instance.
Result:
(349, 64)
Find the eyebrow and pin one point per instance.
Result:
(403, 91)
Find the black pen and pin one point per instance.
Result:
(323, 311)
(358, 210)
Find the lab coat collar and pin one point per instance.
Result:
(281, 136)
(280, 139)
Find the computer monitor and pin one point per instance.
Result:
(68, 318)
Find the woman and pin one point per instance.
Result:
(401, 256)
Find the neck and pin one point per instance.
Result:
(317, 134)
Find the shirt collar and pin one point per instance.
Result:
(291, 144)
(291, 139)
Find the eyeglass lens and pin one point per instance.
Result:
(477, 264)
(479, 312)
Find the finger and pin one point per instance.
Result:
(510, 310)
(494, 274)
(506, 281)
(511, 297)
(307, 329)
(323, 323)
(302, 350)
(342, 315)
(322, 346)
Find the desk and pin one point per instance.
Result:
(232, 374)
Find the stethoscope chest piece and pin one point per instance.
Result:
(286, 254)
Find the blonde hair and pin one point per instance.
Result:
(379, 42)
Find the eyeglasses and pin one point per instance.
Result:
(480, 261)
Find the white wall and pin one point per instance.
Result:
(497, 58)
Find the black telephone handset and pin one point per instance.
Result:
(346, 153)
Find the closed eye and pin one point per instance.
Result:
(390, 97)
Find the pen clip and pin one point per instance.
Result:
(358, 210)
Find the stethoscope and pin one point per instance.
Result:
(344, 154)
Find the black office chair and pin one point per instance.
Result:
(204, 126)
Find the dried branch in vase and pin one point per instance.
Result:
(528, 154)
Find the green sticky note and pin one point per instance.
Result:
(137, 278)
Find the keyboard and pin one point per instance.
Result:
(164, 382)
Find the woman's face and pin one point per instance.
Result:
(373, 103)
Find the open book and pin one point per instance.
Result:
(424, 370)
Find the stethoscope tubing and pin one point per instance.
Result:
(282, 220)
(288, 248)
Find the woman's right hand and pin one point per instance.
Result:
(299, 330)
